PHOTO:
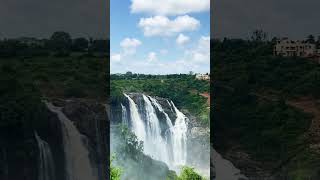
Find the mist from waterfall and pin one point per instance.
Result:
(167, 145)
(46, 170)
(77, 161)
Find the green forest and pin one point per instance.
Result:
(253, 110)
(183, 89)
(29, 77)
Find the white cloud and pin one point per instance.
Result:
(152, 56)
(116, 57)
(182, 39)
(200, 54)
(196, 59)
(163, 26)
(129, 45)
(169, 7)
(164, 51)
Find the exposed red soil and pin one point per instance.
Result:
(206, 95)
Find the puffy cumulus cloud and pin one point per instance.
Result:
(169, 7)
(115, 57)
(152, 56)
(195, 58)
(129, 45)
(163, 26)
(200, 54)
(163, 51)
(182, 39)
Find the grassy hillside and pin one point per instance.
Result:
(253, 91)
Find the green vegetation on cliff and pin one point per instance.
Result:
(252, 93)
(183, 90)
(115, 172)
(25, 82)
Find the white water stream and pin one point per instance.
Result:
(46, 163)
(78, 166)
(169, 147)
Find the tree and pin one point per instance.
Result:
(259, 35)
(80, 44)
(188, 173)
(61, 42)
(318, 42)
(129, 73)
(311, 39)
(100, 45)
(114, 171)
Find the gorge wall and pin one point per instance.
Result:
(43, 153)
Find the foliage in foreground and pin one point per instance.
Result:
(187, 173)
(115, 172)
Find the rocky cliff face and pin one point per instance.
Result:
(19, 156)
(198, 144)
(90, 118)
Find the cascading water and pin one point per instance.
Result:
(156, 103)
(138, 125)
(46, 163)
(180, 137)
(155, 144)
(124, 115)
(169, 147)
(78, 166)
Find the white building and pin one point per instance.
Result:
(288, 48)
(203, 76)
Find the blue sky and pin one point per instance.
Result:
(160, 36)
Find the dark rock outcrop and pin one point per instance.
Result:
(90, 118)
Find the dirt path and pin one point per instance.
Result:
(206, 95)
(310, 106)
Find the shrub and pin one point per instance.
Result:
(188, 173)
(115, 172)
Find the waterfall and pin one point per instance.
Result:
(138, 125)
(167, 145)
(155, 144)
(224, 169)
(46, 169)
(180, 137)
(78, 166)
(124, 115)
(156, 103)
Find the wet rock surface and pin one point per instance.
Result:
(90, 118)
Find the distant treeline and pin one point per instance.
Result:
(130, 75)
(259, 36)
(59, 44)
